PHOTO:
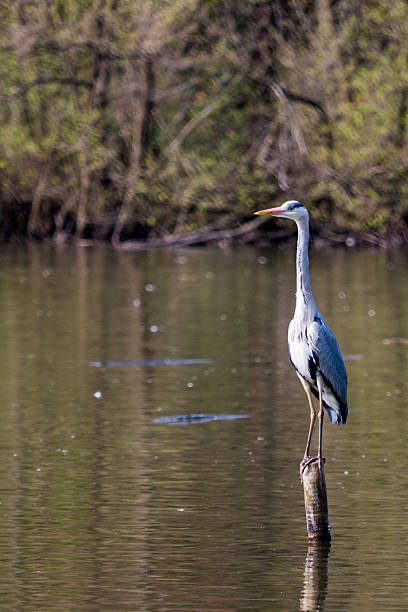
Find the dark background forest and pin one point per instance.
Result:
(172, 121)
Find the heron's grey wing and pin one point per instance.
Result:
(327, 355)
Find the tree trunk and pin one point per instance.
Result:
(32, 225)
(141, 108)
(83, 201)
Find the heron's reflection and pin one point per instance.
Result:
(316, 577)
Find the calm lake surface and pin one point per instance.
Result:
(102, 508)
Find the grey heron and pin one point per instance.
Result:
(313, 348)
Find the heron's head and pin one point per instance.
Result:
(292, 209)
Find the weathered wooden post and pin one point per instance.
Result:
(317, 512)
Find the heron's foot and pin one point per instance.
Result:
(307, 461)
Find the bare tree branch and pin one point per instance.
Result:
(203, 114)
(45, 81)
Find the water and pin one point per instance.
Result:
(106, 504)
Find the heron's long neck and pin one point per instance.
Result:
(305, 303)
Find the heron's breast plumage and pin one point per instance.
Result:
(300, 355)
(314, 351)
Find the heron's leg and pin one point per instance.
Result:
(320, 417)
(312, 422)
(306, 387)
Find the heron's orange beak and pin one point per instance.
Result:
(270, 211)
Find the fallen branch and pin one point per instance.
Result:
(190, 238)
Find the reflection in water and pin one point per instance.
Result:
(147, 362)
(101, 509)
(316, 577)
(183, 419)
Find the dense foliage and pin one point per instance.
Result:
(128, 119)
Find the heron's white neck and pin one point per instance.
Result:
(305, 304)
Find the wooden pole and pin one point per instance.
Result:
(317, 512)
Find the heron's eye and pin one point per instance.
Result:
(295, 205)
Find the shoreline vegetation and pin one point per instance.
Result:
(151, 124)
